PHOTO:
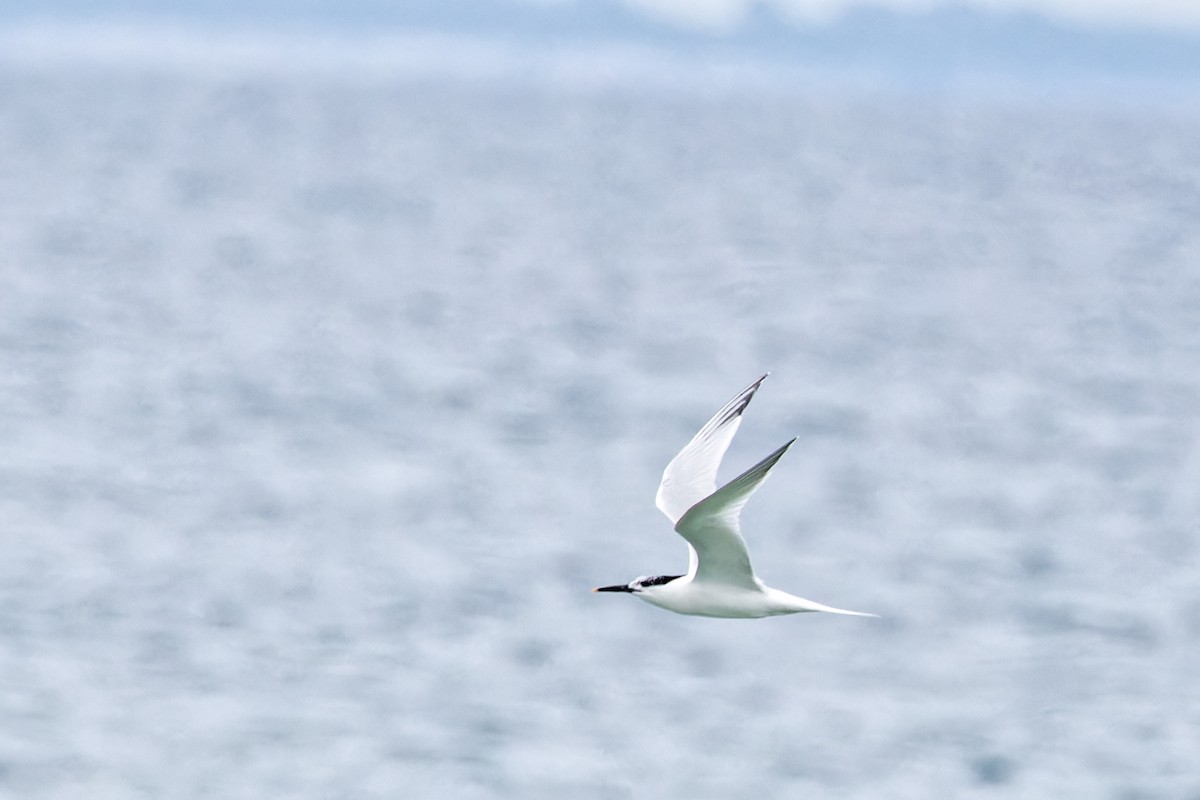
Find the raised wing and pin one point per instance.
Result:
(692, 474)
(713, 530)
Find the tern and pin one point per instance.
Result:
(720, 581)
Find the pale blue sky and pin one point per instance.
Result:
(910, 41)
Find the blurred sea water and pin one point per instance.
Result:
(325, 399)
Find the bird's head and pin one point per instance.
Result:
(638, 585)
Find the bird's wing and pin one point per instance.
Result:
(713, 530)
(692, 474)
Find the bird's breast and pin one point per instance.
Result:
(709, 600)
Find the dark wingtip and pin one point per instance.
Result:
(767, 463)
(744, 398)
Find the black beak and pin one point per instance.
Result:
(622, 588)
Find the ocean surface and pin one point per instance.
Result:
(326, 396)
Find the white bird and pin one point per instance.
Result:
(720, 581)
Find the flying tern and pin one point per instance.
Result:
(720, 581)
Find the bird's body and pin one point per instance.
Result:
(685, 596)
(720, 581)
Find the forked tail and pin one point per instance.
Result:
(832, 610)
(799, 604)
